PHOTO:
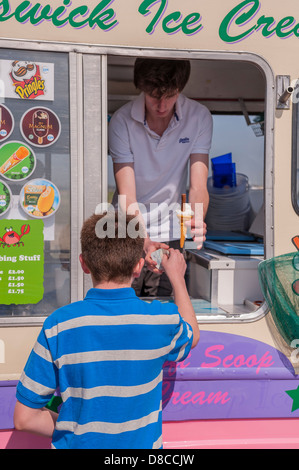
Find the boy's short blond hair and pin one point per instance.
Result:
(111, 255)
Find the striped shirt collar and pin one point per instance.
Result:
(109, 294)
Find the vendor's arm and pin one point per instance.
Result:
(198, 194)
(126, 186)
(199, 170)
(125, 182)
(37, 420)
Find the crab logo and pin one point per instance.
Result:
(12, 238)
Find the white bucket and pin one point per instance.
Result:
(229, 207)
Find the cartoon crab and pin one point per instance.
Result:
(12, 238)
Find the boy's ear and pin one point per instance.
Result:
(138, 268)
(83, 265)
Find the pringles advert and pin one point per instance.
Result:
(27, 80)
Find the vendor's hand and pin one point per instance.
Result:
(198, 231)
(149, 248)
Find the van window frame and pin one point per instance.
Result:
(76, 53)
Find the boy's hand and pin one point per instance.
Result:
(174, 265)
(149, 248)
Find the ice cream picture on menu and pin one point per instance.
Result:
(40, 198)
(17, 161)
(5, 198)
(14, 159)
(6, 123)
(40, 126)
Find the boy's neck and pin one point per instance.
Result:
(111, 285)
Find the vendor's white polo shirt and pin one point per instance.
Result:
(160, 163)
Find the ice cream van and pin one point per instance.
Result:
(65, 68)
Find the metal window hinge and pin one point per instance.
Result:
(283, 92)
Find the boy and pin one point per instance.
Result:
(106, 353)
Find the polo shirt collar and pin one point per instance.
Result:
(138, 108)
(110, 294)
(178, 106)
(137, 111)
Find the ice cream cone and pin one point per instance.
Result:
(185, 214)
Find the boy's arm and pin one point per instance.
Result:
(175, 267)
(37, 420)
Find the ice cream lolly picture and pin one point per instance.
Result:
(40, 198)
(17, 161)
(40, 126)
(5, 198)
(6, 123)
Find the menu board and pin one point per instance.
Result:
(21, 261)
(22, 240)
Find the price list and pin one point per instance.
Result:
(13, 281)
(16, 281)
(22, 265)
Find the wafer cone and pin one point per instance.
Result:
(184, 215)
(183, 219)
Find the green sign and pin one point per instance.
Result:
(21, 261)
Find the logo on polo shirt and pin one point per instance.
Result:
(184, 140)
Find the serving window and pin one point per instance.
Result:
(64, 170)
(222, 278)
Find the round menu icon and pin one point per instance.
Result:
(40, 126)
(6, 122)
(40, 198)
(5, 198)
(17, 161)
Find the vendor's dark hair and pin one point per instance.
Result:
(159, 77)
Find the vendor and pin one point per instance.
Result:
(152, 139)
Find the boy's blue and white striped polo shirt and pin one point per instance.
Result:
(105, 354)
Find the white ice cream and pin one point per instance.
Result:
(188, 212)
